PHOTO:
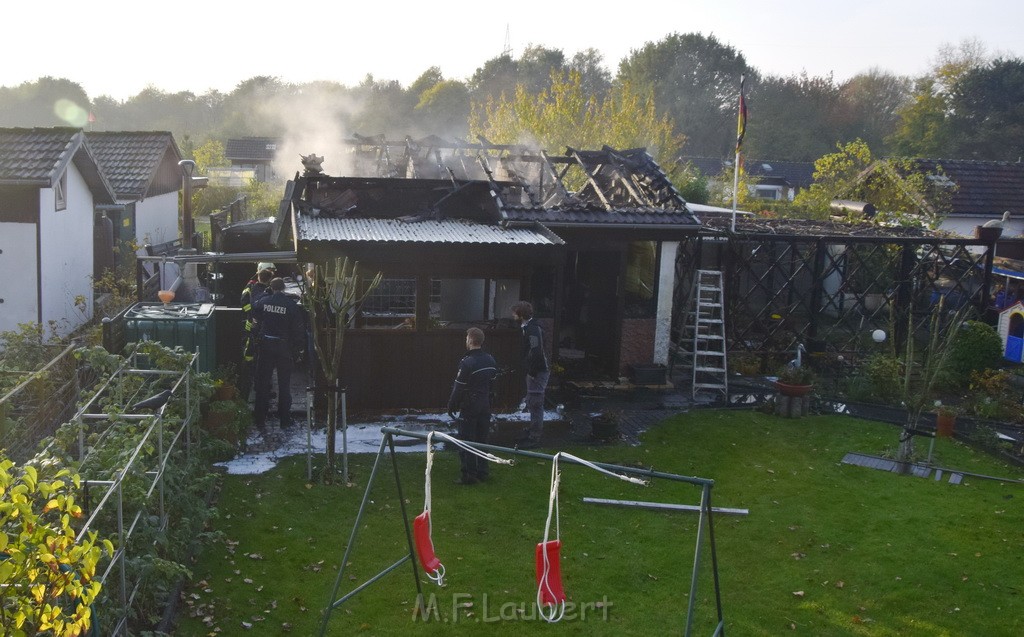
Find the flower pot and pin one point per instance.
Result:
(794, 391)
(944, 424)
(604, 427)
(227, 391)
(987, 234)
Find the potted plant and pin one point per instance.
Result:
(945, 419)
(795, 381)
(604, 425)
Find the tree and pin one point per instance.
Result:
(443, 109)
(923, 129)
(46, 576)
(595, 79)
(695, 79)
(986, 112)
(564, 116)
(899, 191)
(333, 297)
(46, 102)
(792, 118)
(869, 106)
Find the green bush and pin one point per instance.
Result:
(878, 380)
(977, 346)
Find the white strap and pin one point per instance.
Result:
(586, 463)
(476, 452)
(557, 611)
(430, 466)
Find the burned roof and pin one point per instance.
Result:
(138, 163)
(752, 224)
(499, 183)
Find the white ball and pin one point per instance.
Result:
(878, 336)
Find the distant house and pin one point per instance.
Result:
(254, 154)
(980, 191)
(772, 180)
(50, 187)
(143, 169)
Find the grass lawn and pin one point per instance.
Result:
(827, 549)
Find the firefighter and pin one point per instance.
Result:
(281, 325)
(254, 289)
(471, 398)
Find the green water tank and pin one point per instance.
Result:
(188, 325)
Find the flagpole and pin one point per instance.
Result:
(741, 129)
(735, 189)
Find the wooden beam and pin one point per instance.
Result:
(662, 506)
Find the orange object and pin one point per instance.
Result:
(425, 545)
(549, 575)
(165, 296)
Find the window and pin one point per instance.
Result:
(60, 189)
(768, 192)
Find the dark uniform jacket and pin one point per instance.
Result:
(280, 317)
(533, 348)
(471, 393)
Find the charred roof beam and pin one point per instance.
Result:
(590, 179)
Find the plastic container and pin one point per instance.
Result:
(189, 325)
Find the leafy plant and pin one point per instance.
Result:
(977, 346)
(45, 574)
(878, 379)
(794, 375)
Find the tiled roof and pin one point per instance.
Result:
(424, 231)
(588, 215)
(983, 187)
(130, 159)
(799, 174)
(252, 148)
(36, 154)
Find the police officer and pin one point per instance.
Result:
(281, 330)
(471, 398)
(254, 290)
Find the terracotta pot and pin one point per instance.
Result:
(944, 424)
(794, 391)
(226, 391)
(987, 234)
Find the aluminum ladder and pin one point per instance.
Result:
(705, 325)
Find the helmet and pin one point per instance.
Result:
(265, 266)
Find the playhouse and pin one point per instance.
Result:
(1011, 330)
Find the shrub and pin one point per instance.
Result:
(878, 380)
(977, 346)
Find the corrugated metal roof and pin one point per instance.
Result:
(252, 148)
(426, 231)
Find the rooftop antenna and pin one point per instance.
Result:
(508, 43)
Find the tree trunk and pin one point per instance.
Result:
(905, 450)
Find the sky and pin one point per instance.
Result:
(118, 48)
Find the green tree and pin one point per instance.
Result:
(792, 118)
(443, 109)
(986, 112)
(901, 193)
(869, 106)
(46, 576)
(47, 101)
(695, 80)
(564, 116)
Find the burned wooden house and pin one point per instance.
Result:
(462, 231)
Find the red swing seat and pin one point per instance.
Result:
(551, 592)
(424, 545)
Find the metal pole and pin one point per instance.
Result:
(187, 167)
(352, 536)
(344, 433)
(309, 433)
(408, 531)
(735, 189)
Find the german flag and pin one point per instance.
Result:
(741, 124)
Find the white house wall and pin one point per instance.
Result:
(18, 287)
(156, 219)
(66, 250)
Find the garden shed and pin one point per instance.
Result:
(461, 231)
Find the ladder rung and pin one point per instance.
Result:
(720, 370)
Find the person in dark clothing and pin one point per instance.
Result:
(254, 290)
(536, 364)
(470, 403)
(281, 331)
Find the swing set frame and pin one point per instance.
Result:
(388, 443)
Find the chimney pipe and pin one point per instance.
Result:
(187, 167)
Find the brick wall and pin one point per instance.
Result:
(637, 343)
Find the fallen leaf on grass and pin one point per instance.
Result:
(798, 593)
